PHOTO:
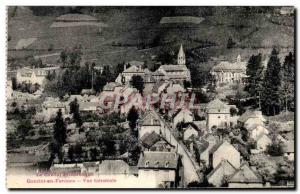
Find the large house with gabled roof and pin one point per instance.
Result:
(245, 177)
(224, 151)
(150, 123)
(159, 166)
(218, 114)
(227, 73)
(35, 75)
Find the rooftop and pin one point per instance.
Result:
(245, 175)
(158, 160)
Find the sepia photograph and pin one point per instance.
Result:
(150, 97)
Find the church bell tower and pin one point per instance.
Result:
(181, 56)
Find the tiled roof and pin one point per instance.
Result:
(184, 112)
(227, 66)
(202, 145)
(217, 104)
(134, 69)
(225, 164)
(111, 86)
(149, 139)
(172, 68)
(215, 147)
(54, 104)
(245, 175)
(158, 160)
(249, 114)
(136, 63)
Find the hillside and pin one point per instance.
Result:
(130, 32)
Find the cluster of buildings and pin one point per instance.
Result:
(175, 148)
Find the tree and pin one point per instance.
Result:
(94, 153)
(71, 153)
(74, 109)
(186, 84)
(270, 98)
(138, 83)
(288, 82)
(14, 83)
(230, 43)
(233, 111)
(24, 127)
(255, 77)
(59, 132)
(63, 57)
(275, 149)
(132, 117)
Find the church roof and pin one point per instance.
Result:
(181, 52)
(174, 68)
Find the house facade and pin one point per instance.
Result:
(159, 166)
(218, 114)
(219, 175)
(224, 151)
(251, 119)
(228, 73)
(150, 123)
(184, 115)
(36, 75)
(189, 132)
(262, 142)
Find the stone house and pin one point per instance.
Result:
(219, 175)
(251, 119)
(184, 115)
(150, 123)
(228, 73)
(218, 114)
(224, 151)
(159, 166)
(36, 75)
(245, 177)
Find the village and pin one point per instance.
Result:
(152, 124)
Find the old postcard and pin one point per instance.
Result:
(150, 97)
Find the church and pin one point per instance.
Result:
(178, 72)
(175, 73)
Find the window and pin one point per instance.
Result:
(167, 164)
(147, 163)
(219, 117)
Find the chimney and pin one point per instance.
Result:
(124, 66)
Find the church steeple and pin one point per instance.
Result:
(181, 56)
